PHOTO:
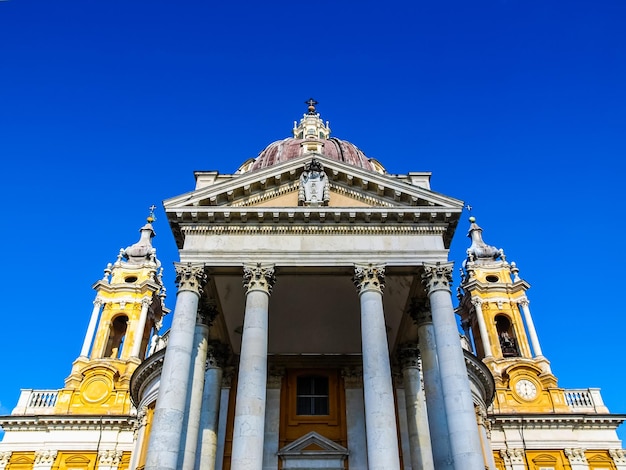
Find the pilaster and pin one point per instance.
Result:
(44, 459)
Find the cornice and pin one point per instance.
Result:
(245, 185)
(251, 215)
(223, 229)
(476, 368)
(67, 422)
(550, 421)
(147, 371)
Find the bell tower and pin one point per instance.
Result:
(127, 313)
(494, 308)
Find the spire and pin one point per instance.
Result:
(479, 250)
(142, 250)
(311, 125)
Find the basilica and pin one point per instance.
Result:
(315, 326)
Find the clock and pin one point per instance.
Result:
(526, 389)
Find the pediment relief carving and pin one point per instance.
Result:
(313, 186)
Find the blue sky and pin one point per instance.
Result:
(517, 107)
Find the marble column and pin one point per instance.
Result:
(457, 395)
(139, 330)
(534, 339)
(91, 328)
(165, 437)
(482, 326)
(209, 416)
(380, 415)
(417, 419)
(206, 314)
(249, 425)
(437, 419)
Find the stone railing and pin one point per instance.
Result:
(585, 400)
(36, 402)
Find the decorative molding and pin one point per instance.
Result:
(437, 277)
(257, 277)
(369, 277)
(575, 455)
(326, 215)
(190, 277)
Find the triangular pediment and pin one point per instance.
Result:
(312, 443)
(350, 195)
(278, 186)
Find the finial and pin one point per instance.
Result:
(311, 102)
(472, 219)
(151, 218)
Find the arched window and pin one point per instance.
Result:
(506, 336)
(117, 333)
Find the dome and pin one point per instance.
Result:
(311, 136)
(333, 148)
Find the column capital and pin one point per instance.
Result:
(5, 456)
(437, 277)
(409, 356)
(146, 302)
(217, 355)
(207, 311)
(512, 456)
(369, 277)
(419, 311)
(98, 302)
(109, 457)
(618, 455)
(575, 455)
(524, 302)
(258, 277)
(477, 302)
(45, 457)
(190, 277)
(352, 376)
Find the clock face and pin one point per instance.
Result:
(526, 389)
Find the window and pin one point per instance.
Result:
(312, 396)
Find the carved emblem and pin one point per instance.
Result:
(314, 186)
